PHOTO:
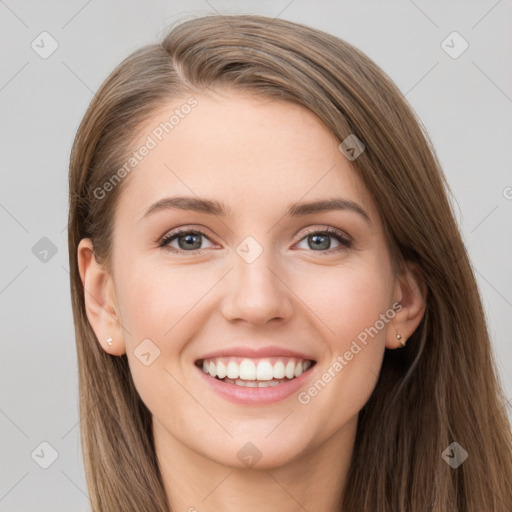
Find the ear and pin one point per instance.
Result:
(411, 293)
(100, 300)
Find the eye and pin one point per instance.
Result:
(187, 240)
(320, 240)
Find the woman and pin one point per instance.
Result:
(274, 308)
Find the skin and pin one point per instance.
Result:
(248, 152)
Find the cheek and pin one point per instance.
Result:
(154, 306)
(153, 300)
(348, 299)
(161, 310)
(352, 307)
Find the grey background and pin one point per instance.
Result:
(465, 104)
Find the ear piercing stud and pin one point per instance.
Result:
(109, 340)
(401, 339)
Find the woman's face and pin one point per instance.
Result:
(256, 285)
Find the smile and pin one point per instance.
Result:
(261, 372)
(250, 375)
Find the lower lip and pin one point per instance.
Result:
(255, 396)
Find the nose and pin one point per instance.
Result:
(257, 292)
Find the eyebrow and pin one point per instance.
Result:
(213, 207)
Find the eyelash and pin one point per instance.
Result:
(163, 243)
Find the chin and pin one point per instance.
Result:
(260, 453)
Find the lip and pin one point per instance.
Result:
(256, 353)
(255, 396)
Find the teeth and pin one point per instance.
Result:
(222, 371)
(247, 370)
(233, 370)
(265, 371)
(253, 383)
(290, 370)
(279, 372)
(261, 370)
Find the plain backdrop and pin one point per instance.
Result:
(464, 101)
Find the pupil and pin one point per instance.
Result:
(326, 243)
(190, 238)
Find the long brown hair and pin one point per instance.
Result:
(441, 388)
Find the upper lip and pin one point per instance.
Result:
(256, 353)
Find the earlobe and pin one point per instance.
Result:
(411, 293)
(100, 300)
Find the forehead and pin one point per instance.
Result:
(247, 151)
